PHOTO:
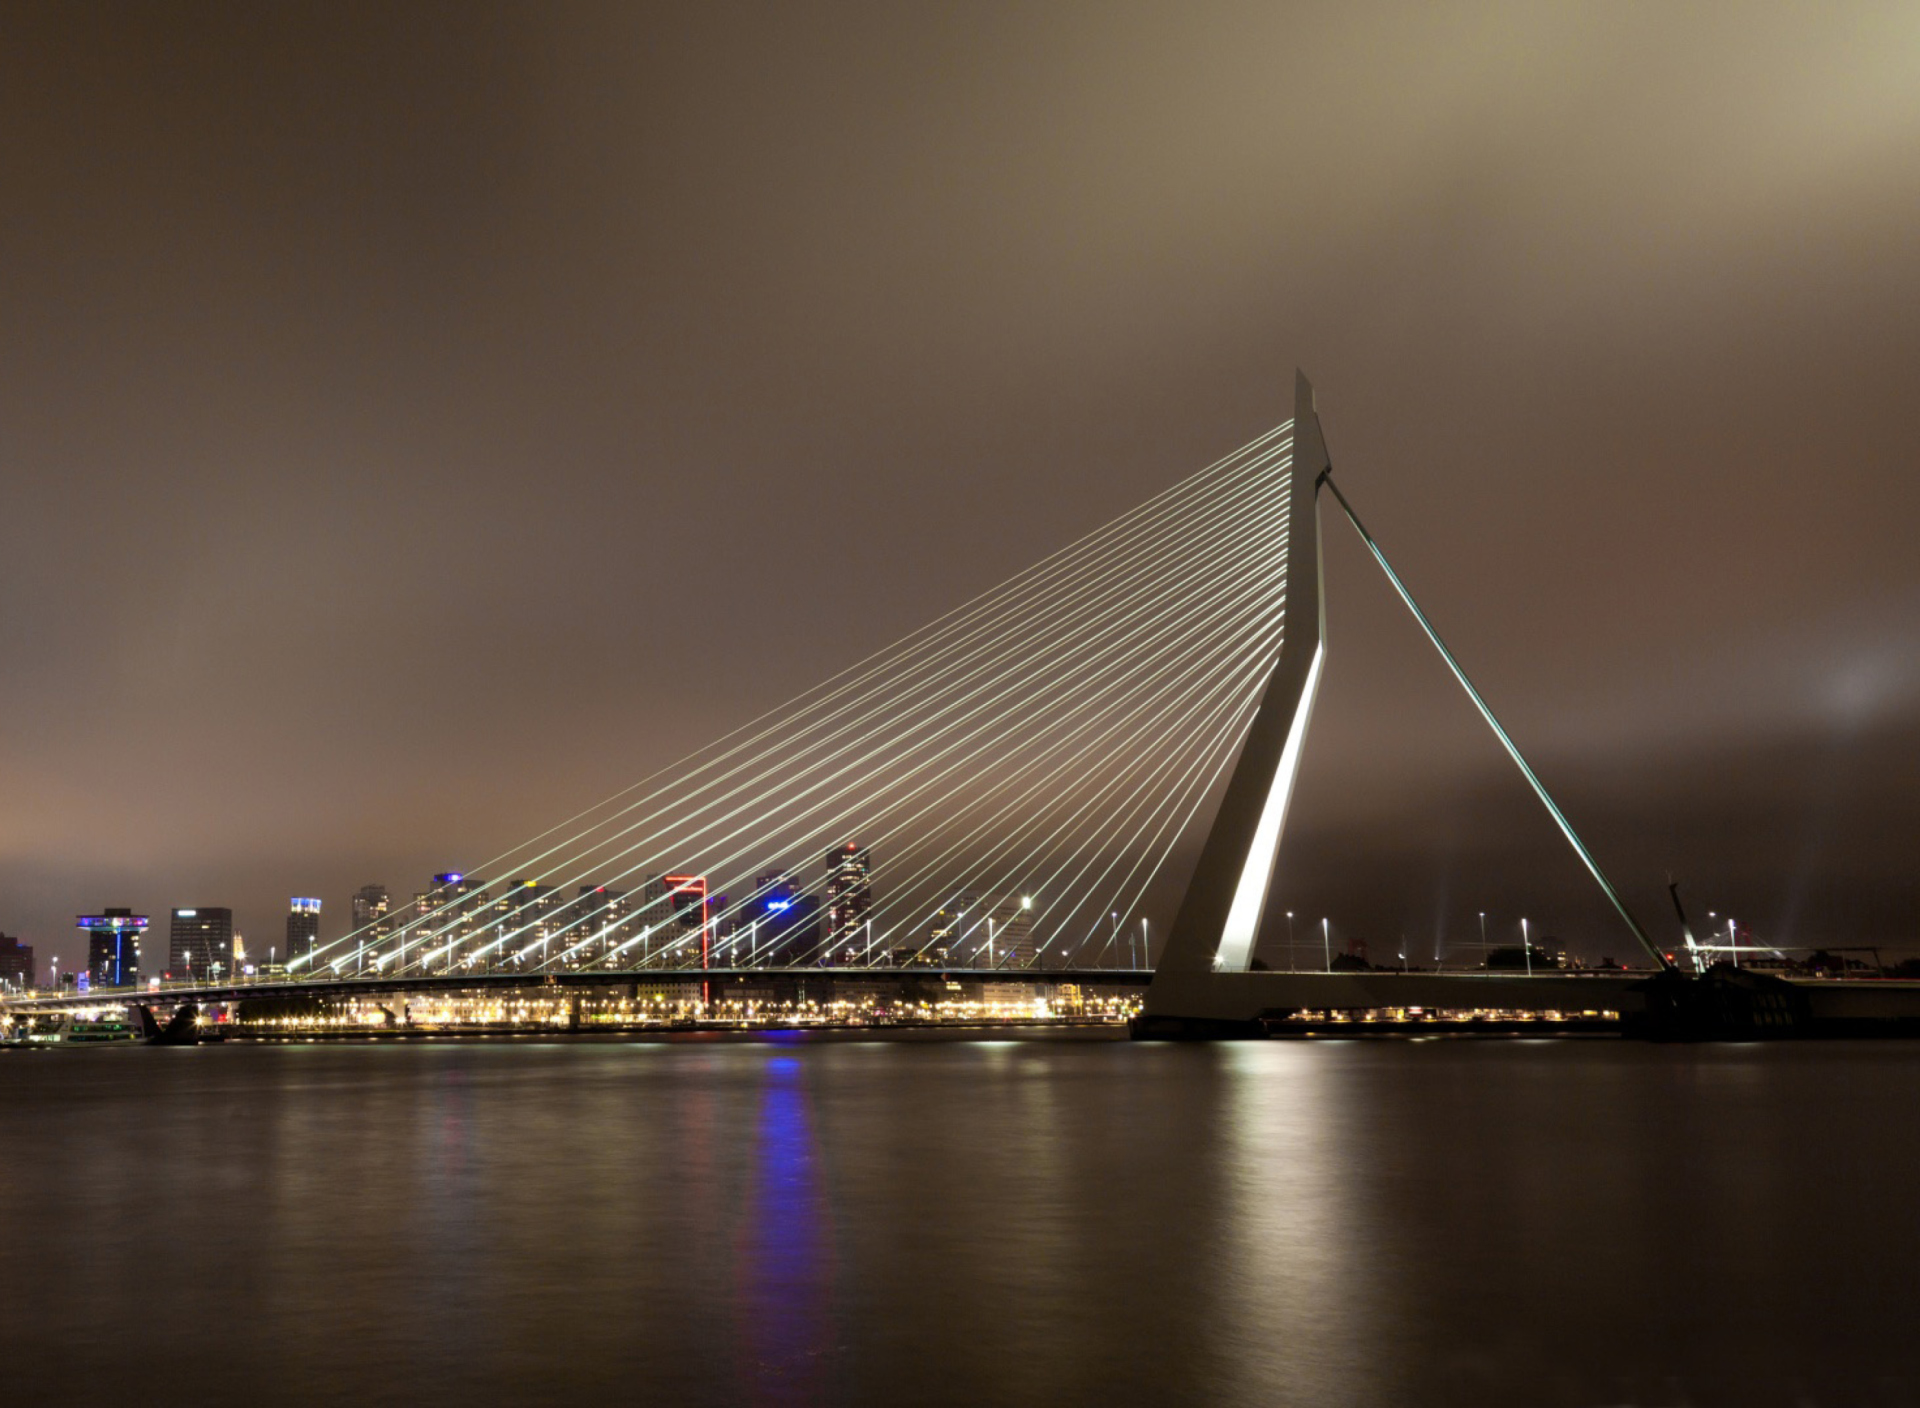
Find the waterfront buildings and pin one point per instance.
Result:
(445, 919)
(16, 964)
(303, 928)
(849, 897)
(200, 944)
(523, 924)
(686, 898)
(597, 925)
(372, 924)
(782, 925)
(113, 947)
(1010, 933)
(947, 935)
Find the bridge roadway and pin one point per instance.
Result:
(169, 995)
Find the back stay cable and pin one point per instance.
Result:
(1506, 739)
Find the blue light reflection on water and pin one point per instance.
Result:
(784, 1263)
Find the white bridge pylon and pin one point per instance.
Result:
(1202, 979)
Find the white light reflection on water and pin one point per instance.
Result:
(1295, 1274)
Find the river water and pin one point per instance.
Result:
(1044, 1221)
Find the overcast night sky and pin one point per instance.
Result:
(418, 420)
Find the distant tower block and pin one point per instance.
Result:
(1011, 942)
(303, 928)
(686, 898)
(447, 918)
(16, 964)
(113, 947)
(849, 897)
(371, 925)
(200, 943)
(527, 916)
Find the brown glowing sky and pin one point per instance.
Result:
(416, 420)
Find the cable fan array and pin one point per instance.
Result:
(1003, 787)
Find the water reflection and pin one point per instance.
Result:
(1052, 1223)
(783, 1256)
(1296, 1306)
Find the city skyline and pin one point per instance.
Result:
(463, 920)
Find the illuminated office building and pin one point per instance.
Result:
(16, 964)
(303, 928)
(372, 925)
(849, 897)
(1010, 934)
(524, 922)
(113, 946)
(951, 936)
(672, 918)
(445, 920)
(781, 925)
(200, 944)
(600, 924)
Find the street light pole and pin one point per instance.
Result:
(1326, 941)
(1526, 946)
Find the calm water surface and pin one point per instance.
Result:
(1039, 1221)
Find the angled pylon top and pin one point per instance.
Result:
(1220, 916)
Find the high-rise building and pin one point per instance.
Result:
(524, 922)
(599, 925)
(687, 900)
(446, 921)
(727, 930)
(113, 947)
(849, 897)
(779, 925)
(672, 921)
(372, 925)
(950, 938)
(303, 928)
(1010, 934)
(16, 964)
(200, 944)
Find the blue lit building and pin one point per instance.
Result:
(113, 947)
(781, 925)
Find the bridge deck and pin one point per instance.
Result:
(174, 994)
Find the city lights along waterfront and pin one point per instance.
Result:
(1063, 801)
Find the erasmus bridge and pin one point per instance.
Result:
(1082, 775)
